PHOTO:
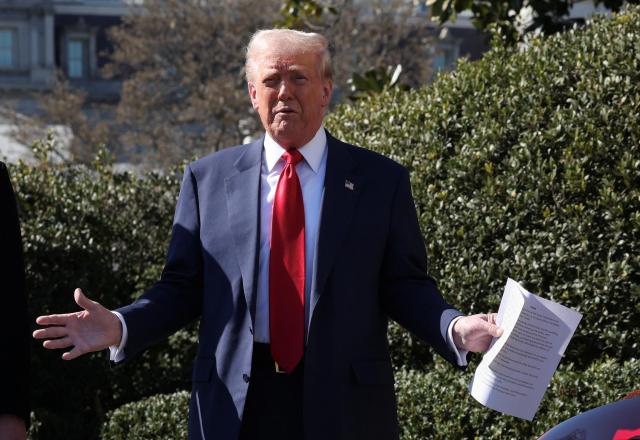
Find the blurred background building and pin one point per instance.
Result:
(39, 36)
(40, 39)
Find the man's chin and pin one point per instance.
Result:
(287, 134)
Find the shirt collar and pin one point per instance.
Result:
(312, 151)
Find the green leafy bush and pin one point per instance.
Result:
(160, 417)
(527, 164)
(437, 404)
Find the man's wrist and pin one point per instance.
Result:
(116, 351)
(118, 336)
(461, 354)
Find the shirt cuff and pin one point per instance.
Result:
(461, 355)
(116, 352)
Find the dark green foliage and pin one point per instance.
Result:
(106, 233)
(503, 18)
(375, 81)
(160, 417)
(527, 164)
(298, 14)
(437, 404)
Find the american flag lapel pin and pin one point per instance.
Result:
(348, 184)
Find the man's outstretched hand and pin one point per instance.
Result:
(94, 328)
(474, 332)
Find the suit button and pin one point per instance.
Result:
(246, 378)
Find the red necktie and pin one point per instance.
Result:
(287, 268)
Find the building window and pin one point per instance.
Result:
(7, 48)
(445, 55)
(78, 58)
(439, 62)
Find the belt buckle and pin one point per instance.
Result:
(278, 369)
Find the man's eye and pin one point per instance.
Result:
(300, 79)
(270, 82)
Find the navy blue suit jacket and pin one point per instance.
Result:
(371, 265)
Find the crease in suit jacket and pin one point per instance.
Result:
(371, 265)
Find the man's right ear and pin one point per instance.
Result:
(253, 95)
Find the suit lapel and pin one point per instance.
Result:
(243, 206)
(341, 191)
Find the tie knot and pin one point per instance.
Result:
(292, 156)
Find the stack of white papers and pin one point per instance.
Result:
(517, 369)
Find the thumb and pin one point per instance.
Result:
(83, 301)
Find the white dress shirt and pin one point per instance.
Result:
(311, 172)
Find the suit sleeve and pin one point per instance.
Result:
(176, 299)
(14, 325)
(409, 294)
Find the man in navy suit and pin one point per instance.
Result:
(292, 251)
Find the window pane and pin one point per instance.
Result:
(438, 62)
(75, 50)
(6, 59)
(75, 69)
(76, 58)
(6, 38)
(6, 48)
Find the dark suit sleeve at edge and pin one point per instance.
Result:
(14, 325)
(409, 294)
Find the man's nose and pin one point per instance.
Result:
(284, 91)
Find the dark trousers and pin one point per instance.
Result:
(273, 409)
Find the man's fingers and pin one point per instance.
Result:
(63, 319)
(83, 301)
(53, 344)
(494, 330)
(70, 355)
(54, 319)
(50, 333)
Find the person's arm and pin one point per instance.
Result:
(14, 345)
(170, 304)
(411, 296)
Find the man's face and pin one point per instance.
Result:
(290, 94)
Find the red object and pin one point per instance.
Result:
(286, 268)
(632, 394)
(625, 434)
